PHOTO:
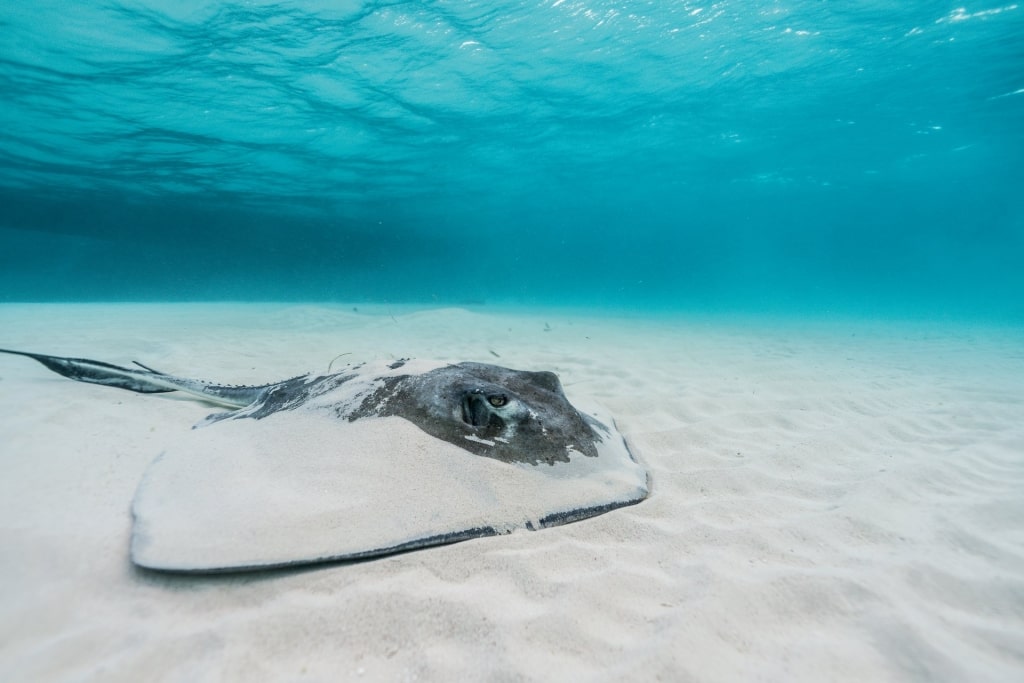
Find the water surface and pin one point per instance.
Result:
(782, 156)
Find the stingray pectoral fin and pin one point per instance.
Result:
(145, 381)
(299, 487)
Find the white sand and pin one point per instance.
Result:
(830, 502)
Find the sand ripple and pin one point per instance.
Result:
(828, 503)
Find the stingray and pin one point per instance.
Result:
(373, 459)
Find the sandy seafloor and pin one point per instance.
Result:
(832, 500)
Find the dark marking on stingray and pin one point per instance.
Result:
(557, 519)
(288, 395)
(509, 415)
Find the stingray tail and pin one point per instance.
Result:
(96, 372)
(145, 381)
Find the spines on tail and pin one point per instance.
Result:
(146, 380)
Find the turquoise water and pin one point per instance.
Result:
(861, 156)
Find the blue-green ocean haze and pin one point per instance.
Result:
(797, 155)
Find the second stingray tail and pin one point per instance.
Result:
(146, 380)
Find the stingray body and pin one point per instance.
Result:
(371, 460)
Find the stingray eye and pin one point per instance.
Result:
(498, 400)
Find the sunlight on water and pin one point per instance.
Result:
(692, 155)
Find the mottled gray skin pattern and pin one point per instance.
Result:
(508, 415)
(534, 422)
